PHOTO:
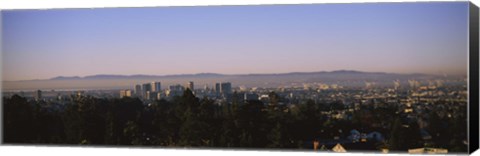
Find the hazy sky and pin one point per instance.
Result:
(382, 37)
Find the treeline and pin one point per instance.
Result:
(188, 121)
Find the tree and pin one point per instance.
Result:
(120, 112)
(165, 123)
(132, 133)
(251, 122)
(48, 124)
(404, 136)
(275, 137)
(396, 141)
(84, 120)
(274, 100)
(309, 121)
(458, 133)
(438, 130)
(18, 120)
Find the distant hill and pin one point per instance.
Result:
(111, 81)
(215, 75)
(66, 78)
(106, 76)
(337, 73)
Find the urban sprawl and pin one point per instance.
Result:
(424, 103)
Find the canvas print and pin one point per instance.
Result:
(365, 77)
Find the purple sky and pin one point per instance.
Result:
(381, 37)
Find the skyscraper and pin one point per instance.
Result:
(226, 88)
(156, 86)
(175, 90)
(217, 88)
(146, 88)
(138, 90)
(190, 86)
(148, 95)
(159, 96)
(38, 95)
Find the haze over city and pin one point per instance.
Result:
(404, 38)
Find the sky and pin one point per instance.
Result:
(373, 37)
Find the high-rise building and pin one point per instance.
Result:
(125, 93)
(159, 95)
(138, 90)
(156, 86)
(151, 95)
(190, 86)
(146, 88)
(217, 88)
(148, 95)
(226, 88)
(38, 95)
(175, 90)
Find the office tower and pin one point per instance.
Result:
(176, 87)
(159, 95)
(146, 88)
(226, 88)
(125, 93)
(190, 86)
(156, 86)
(38, 95)
(151, 95)
(148, 95)
(217, 88)
(138, 90)
(175, 90)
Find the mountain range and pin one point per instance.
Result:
(216, 75)
(108, 81)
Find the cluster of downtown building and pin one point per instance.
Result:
(406, 94)
(153, 91)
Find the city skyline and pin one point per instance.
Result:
(426, 38)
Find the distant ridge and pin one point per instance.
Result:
(216, 75)
(115, 81)
(137, 76)
(65, 78)
(324, 72)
